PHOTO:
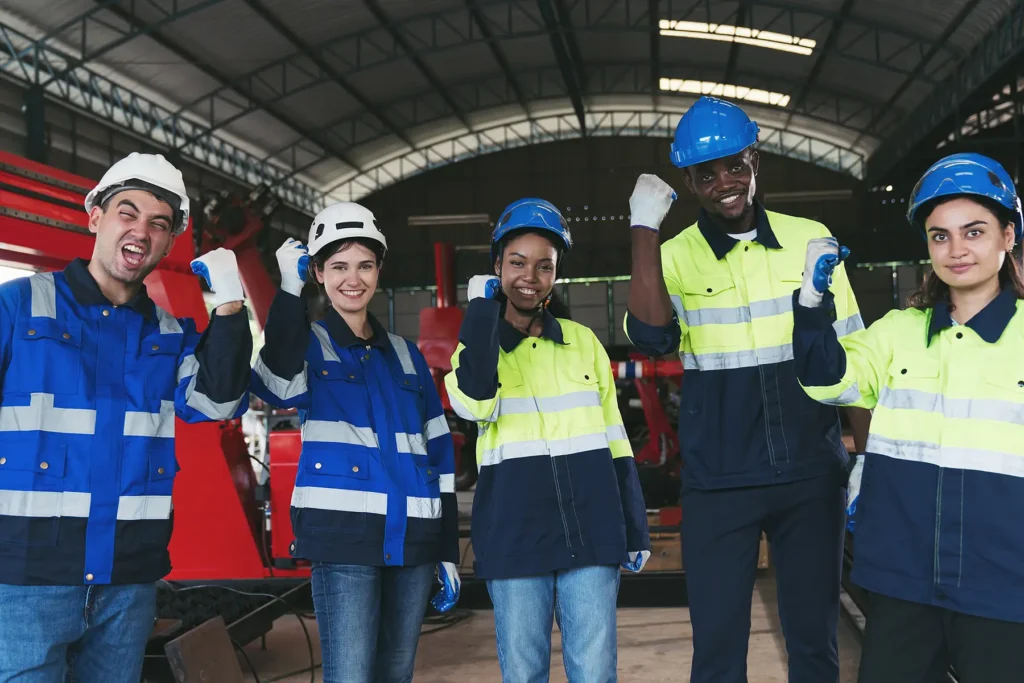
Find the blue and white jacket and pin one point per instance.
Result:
(89, 395)
(376, 479)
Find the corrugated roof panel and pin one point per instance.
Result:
(528, 53)
(320, 104)
(402, 9)
(601, 46)
(932, 18)
(461, 64)
(390, 81)
(320, 21)
(262, 130)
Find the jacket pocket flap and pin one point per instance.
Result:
(65, 332)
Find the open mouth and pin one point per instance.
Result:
(133, 255)
(352, 293)
(730, 200)
(527, 292)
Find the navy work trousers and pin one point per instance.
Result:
(721, 529)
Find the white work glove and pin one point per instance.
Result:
(219, 269)
(292, 259)
(451, 584)
(823, 255)
(485, 286)
(651, 199)
(853, 490)
(637, 560)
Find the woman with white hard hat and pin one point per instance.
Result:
(558, 508)
(374, 505)
(938, 498)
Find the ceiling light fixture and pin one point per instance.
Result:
(735, 92)
(737, 34)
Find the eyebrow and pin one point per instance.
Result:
(516, 253)
(962, 227)
(158, 217)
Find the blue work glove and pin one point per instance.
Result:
(219, 269)
(853, 490)
(637, 560)
(448, 577)
(293, 259)
(823, 255)
(485, 286)
(651, 199)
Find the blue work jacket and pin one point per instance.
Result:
(90, 395)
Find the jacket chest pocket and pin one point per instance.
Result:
(157, 365)
(712, 305)
(412, 401)
(580, 404)
(46, 357)
(31, 492)
(912, 383)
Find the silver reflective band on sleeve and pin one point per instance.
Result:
(848, 325)
(135, 508)
(284, 389)
(401, 348)
(555, 447)
(850, 395)
(151, 424)
(168, 323)
(326, 348)
(617, 433)
(944, 456)
(44, 504)
(188, 367)
(985, 409)
(677, 304)
(550, 404)
(423, 508)
(44, 295)
(338, 432)
(410, 443)
(41, 416)
(463, 412)
(436, 427)
(201, 402)
(738, 359)
(340, 500)
(447, 483)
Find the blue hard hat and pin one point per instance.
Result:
(971, 174)
(530, 213)
(711, 129)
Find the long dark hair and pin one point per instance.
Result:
(555, 306)
(933, 290)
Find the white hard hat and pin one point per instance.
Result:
(342, 221)
(150, 172)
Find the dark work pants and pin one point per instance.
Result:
(907, 642)
(804, 522)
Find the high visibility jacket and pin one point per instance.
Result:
(90, 393)
(743, 419)
(376, 479)
(939, 518)
(558, 486)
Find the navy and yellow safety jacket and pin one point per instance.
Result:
(376, 479)
(743, 419)
(939, 517)
(90, 395)
(558, 486)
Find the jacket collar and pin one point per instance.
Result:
(87, 293)
(343, 335)
(509, 337)
(989, 322)
(720, 241)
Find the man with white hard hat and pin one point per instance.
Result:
(93, 374)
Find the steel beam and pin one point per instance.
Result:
(569, 66)
(734, 50)
(826, 48)
(497, 53)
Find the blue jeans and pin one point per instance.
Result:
(583, 600)
(85, 634)
(370, 619)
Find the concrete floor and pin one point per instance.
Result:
(654, 647)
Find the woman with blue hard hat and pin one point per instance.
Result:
(938, 498)
(558, 507)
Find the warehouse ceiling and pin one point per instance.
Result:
(336, 99)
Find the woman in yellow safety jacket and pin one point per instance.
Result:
(558, 506)
(938, 498)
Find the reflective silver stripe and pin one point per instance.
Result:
(205, 405)
(284, 389)
(325, 431)
(771, 307)
(44, 295)
(44, 504)
(677, 304)
(151, 424)
(848, 325)
(340, 500)
(740, 314)
(423, 508)
(850, 395)
(447, 483)
(436, 427)
(464, 412)
(738, 359)
(401, 348)
(134, 508)
(944, 456)
(41, 416)
(617, 433)
(168, 323)
(326, 348)
(188, 367)
(410, 443)
(989, 409)
(554, 447)
(550, 404)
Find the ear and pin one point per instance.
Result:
(755, 161)
(497, 266)
(688, 180)
(319, 274)
(94, 220)
(1009, 237)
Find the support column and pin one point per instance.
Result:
(36, 144)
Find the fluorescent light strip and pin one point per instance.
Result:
(737, 34)
(735, 92)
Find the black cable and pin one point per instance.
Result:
(255, 676)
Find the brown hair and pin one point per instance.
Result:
(933, 290)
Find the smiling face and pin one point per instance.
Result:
(133, 232)
(725, 187)
(967, 243)
(349, 277)
(527, 270)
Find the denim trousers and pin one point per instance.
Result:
(75, 634)
(582, 600)
(369, 620)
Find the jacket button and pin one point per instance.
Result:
(388, 556)
(959, 335)
(159, 470)
(534, 344)
(429, 472)
(1021, 383)
(89, 577)
(318, 465)
(586, 376)
(31, 333)
(903, 371)
(3, 461)
(323, 372)
(355, 468)
(499, 385)
(350, 376)
(67, 336)
(105, 313)
(156, 347)
(44, 465)
(709, 290)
